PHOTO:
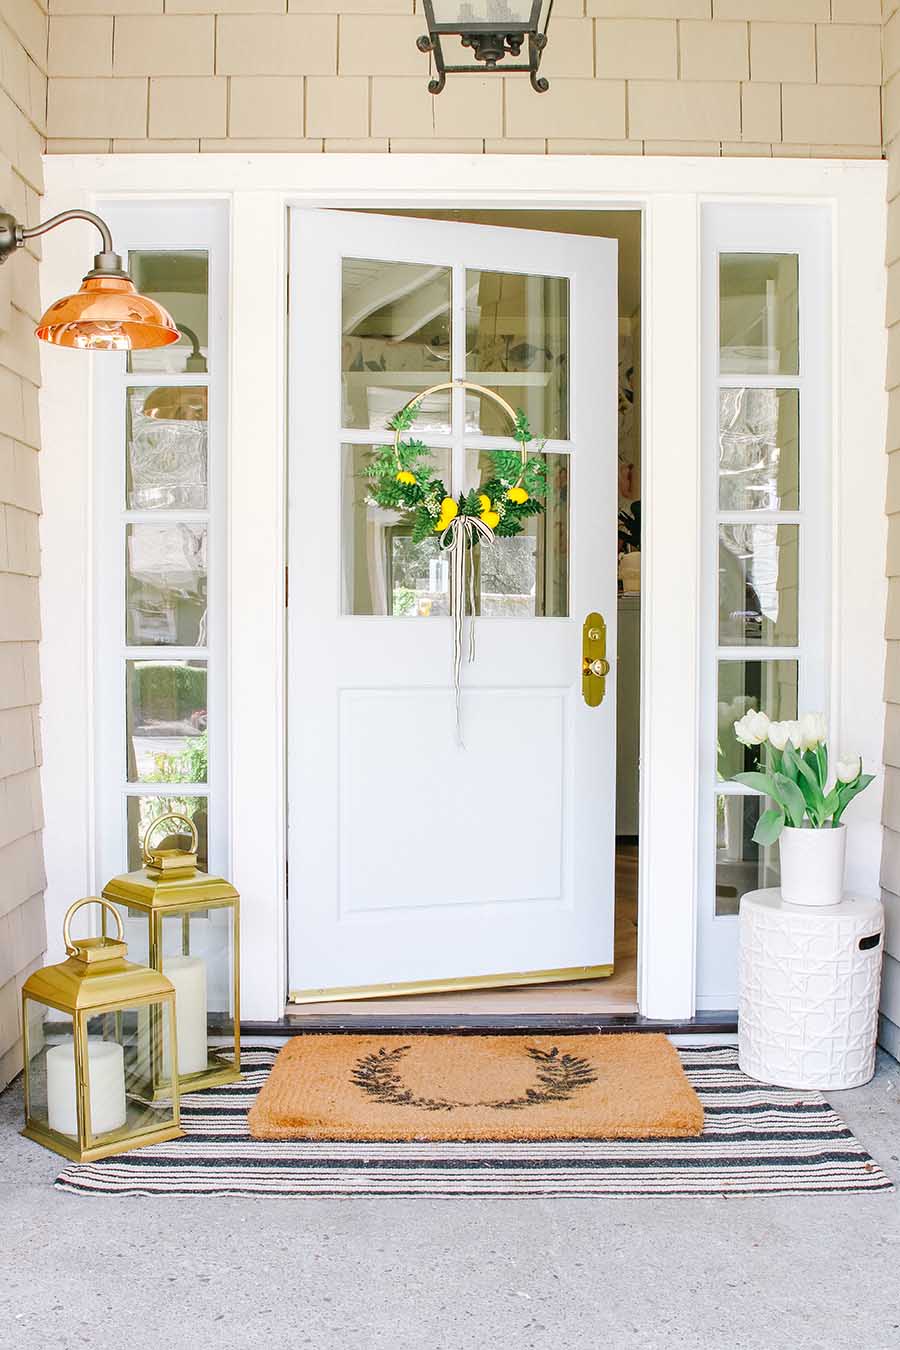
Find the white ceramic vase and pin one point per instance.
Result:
(812, 865)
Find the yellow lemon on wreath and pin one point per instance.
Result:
(449, 509)
(484, 502)
(404, 476)
(517, 495)
(491, 518)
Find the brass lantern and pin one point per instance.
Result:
(186, 924)
(95, 1026)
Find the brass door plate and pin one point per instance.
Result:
(594, 665)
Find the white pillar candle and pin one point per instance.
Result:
(106, 1077)
(188, 975)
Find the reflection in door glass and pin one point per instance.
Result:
(759, 585)
(759, 314)
(179, 281)
(741, 865)
(517, 343)
(386, 571)
(166, 721)
(395, 343)
(526, 574)
(763, 686)
(165, 569)
(166, 434)
(759, 449)
(141, 813)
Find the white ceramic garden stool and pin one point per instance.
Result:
(809, 986)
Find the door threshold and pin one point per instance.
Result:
(702, 1024)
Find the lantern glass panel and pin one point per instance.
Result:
(123, 1045)
(198, 957)
(48, 1033)
(463, 12)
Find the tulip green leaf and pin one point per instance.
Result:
(769, 826)
(791, 798)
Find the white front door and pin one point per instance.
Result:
(414, 860)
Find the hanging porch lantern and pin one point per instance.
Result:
(493, 30)
(94, 1027)
(186, 924)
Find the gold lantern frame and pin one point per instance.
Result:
(93, 981)
(170, 884)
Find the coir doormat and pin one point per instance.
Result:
(470, 1087)
(756, 1140)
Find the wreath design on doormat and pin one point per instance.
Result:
(559, 1078)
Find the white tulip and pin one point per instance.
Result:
(782, 732)
(848, 770)
(752, 728)
(813, 731)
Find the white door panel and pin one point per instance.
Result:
(413, 859)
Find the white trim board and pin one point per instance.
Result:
(670, 192)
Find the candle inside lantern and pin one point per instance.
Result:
(188, 975)
(106, 1079)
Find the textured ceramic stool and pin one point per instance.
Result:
(809, 986)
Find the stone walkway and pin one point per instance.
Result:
(799, 1273)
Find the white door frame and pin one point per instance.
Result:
(670, 192)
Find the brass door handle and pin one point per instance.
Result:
(594, 665)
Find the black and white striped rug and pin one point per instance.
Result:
(757, 1140)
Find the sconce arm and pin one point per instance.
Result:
(13, 236)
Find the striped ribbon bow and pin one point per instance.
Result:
(459, 540)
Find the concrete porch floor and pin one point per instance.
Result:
(799, 1273)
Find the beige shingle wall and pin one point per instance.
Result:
(784, 77)
(23, 93)
(890, 868)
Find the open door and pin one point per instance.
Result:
(417, 863)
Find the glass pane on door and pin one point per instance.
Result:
(166, 437)
(525, 574)
(763, 686)
(759, 449)
(758, 585)
(517, 344)
(387, 568)
(166, 721)
(165, 570)
(178, 279)
(142, 811)
(396, 333)
(759, 313)
(741, 864)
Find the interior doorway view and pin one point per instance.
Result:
(499, 875)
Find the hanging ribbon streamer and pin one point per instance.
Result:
(459, 540)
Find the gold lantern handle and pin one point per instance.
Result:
(147, 852)
(90, 900)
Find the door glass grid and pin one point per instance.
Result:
(759, 534)
(398, 339)
(166, 667)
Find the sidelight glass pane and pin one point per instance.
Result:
(166, 585)
(758, 585)
(179, 280)
(759, 313)
(759, 449)
(166, 435)
(764, 686)
(385, 571)
(526, 574)
(741, 865)
(517, 344)
(142, 811)
(166, 720)
(396, 341)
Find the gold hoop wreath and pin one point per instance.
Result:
(401, 478)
